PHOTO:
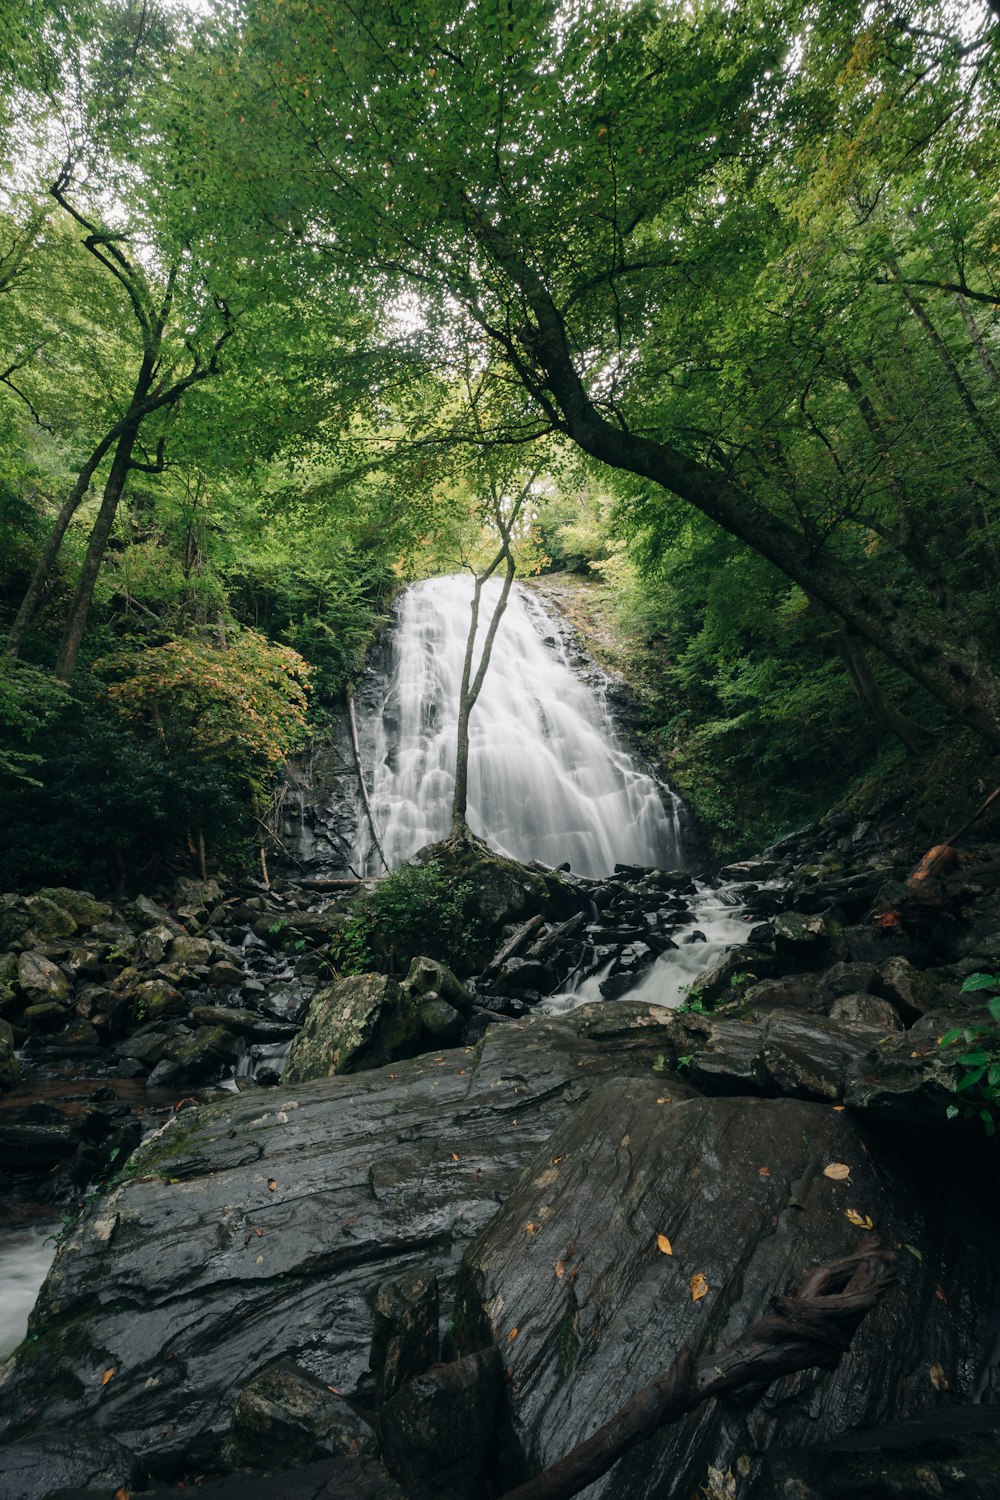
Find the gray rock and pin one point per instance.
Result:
(148, 914)
(865, 1010)
(55, 1459)
(85, 910)
(49, 920)
(285, 1415)
(418, 1428)
(359, 1022)
(739, 966)
(911, 992)
(795, 932)
(245, 1023)
(190, 952)
(48, 1015)
(587, 1309)
(365, 1187)
(41, 980)
(427, 974)
(156, 1000)
(405, 1331)
(441, 1022)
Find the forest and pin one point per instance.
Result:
(289, 290)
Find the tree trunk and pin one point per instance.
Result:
(36, 588)
(852, 653)
(472, 686)
(79, 611)
(924, 645)
(985, 357)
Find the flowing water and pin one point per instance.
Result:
(548, 776)
(26, 1252)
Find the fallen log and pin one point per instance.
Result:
(811, 1326)
(514, 942)
(545, 944)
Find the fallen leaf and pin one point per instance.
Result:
(123, 1494)
(862, 1221)
(271, 1184)
(663, 1099)
(107, 1374)
(838, 1109)
(529, 1228)
(939, 1294)
(513, 1335)
(699, 1287)
(763, 1171)
(838, 1171)
(664, 1244)
(743, 1465)
(556, 1160)
(939, 1379)
(334, 1390)
(560, 1268)
(917, 1254)
(454, 1156)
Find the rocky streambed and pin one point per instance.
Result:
(447, 1215)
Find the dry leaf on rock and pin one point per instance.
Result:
(861, 1221)
(664, 1244)
(838, 1171)
(699, 1287)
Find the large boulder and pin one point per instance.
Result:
(359, 1022)
(570, 1280)
(10, 1068)
(251, 1231)
(41, 980)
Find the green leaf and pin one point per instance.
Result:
(981, 982)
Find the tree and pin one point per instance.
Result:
(687, 149)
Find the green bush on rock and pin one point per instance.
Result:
(416, 909)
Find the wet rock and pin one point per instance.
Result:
(952, 1453)
(224, 972)
(155, 1000)
(147, 1046)
(865, 1010)
(56, 1459)
(85, 910)
(285, 1413)
(359, 1022)
(627, 1167)
(911, 992)
(49, 1015)
(245, 1023)
(205, 1053)
(845, 978)
(441, 1022)
(418, 1426)
(365, 1187)
(790, 992)
(750, 869)
(739, 966)
(153, 944)
(797, 933)
(33, 1148)
(810, 1057)
(148, 914)
(405, 1331)
(427, 974)
(520, 974)
(41, 980)
(10, 1068)
(191, 952)
(48, 920)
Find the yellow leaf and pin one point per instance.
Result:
(839, 1171)
(699, 1287)
(529, 1228)
(271, 1185)
(763, 1171)
(939, 1379)
(664, 1244)
(107, 1374)
(454, 1156)
(560, 1268)
(513, 1335)
(862, 1221)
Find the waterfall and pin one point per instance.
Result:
(548, 776)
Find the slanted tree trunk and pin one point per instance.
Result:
(472, 686)
(924, 644)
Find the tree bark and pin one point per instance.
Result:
(76, 622)
(472, 686)
(43, 571)
(985, 357)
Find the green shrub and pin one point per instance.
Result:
(416, 909)
(981, 1059)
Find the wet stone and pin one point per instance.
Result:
(405, 1331)
(286, 1415)
(41, 980)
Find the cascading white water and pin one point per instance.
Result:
(548, 778)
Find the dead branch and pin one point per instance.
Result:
(811, 1326)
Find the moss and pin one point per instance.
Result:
(569, 1339)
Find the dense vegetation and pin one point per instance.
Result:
(288, 291)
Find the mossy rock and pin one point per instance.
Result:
(362, 1021)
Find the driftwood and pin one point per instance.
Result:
(811, 1326)
(553, 936)
(514, 942)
